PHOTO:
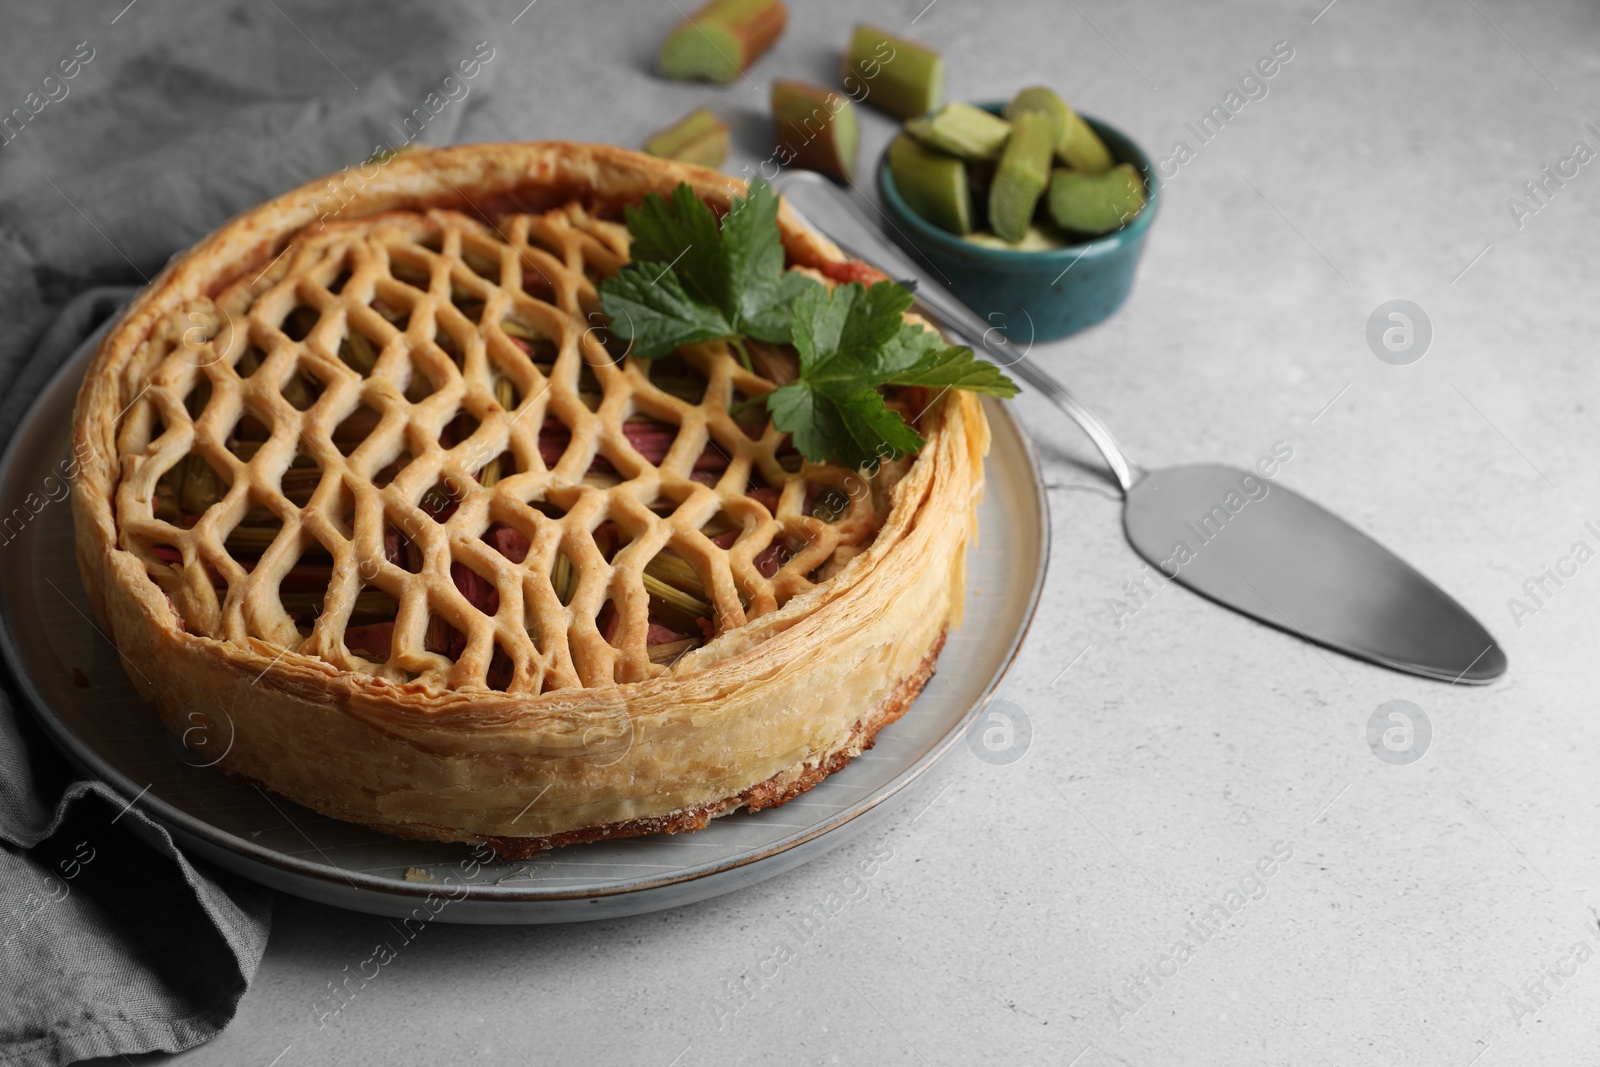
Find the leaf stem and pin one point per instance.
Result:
(746, 404)
(744, 353)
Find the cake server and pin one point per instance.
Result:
(1232, 535)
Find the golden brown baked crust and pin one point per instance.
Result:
(777, 790)
(596, 741)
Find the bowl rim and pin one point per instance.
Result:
(955, 243)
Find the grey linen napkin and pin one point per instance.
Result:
(111, 940)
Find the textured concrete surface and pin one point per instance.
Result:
(1440, 913)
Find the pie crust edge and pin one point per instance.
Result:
(777, 705)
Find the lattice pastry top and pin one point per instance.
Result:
(406, 448)
(381, 489)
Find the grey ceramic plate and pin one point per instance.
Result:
(72, 674)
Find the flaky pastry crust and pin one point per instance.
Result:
(537, 727)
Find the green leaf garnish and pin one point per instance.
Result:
(648, 305)
(721, 283)
(852, 341)
(954, 367)
(692, 281)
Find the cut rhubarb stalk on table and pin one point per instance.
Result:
(933, 185)
(699, 137)
(816, 129)
(721, 40)
(1022, 175)
(892, 74)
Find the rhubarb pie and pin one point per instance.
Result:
(374, 484)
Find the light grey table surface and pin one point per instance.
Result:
(1020, 907)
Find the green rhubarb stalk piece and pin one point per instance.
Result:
(1022, 175)
(1096, 203)
(1077, 145)
(202, 485)
(962, 130)
(816, 129)
(699, 137)
(246, 540)
(1081, 148)
(980, 176)
(1043, 101)
(675, 600)
(721, 40)
(894, 75)
(933, 184)
(561, 578)
(668, 653)
(1037, 239)
(676, 572)
(358, 354)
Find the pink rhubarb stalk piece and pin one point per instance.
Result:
(375, 639)
(478, 591)
(509, 542)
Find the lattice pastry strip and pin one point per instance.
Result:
(408, 449)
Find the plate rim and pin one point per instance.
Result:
(189, 826)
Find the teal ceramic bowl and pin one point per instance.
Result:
(1041, 296)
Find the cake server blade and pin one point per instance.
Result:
(1264, 550)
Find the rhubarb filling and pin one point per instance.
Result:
(767, 540)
